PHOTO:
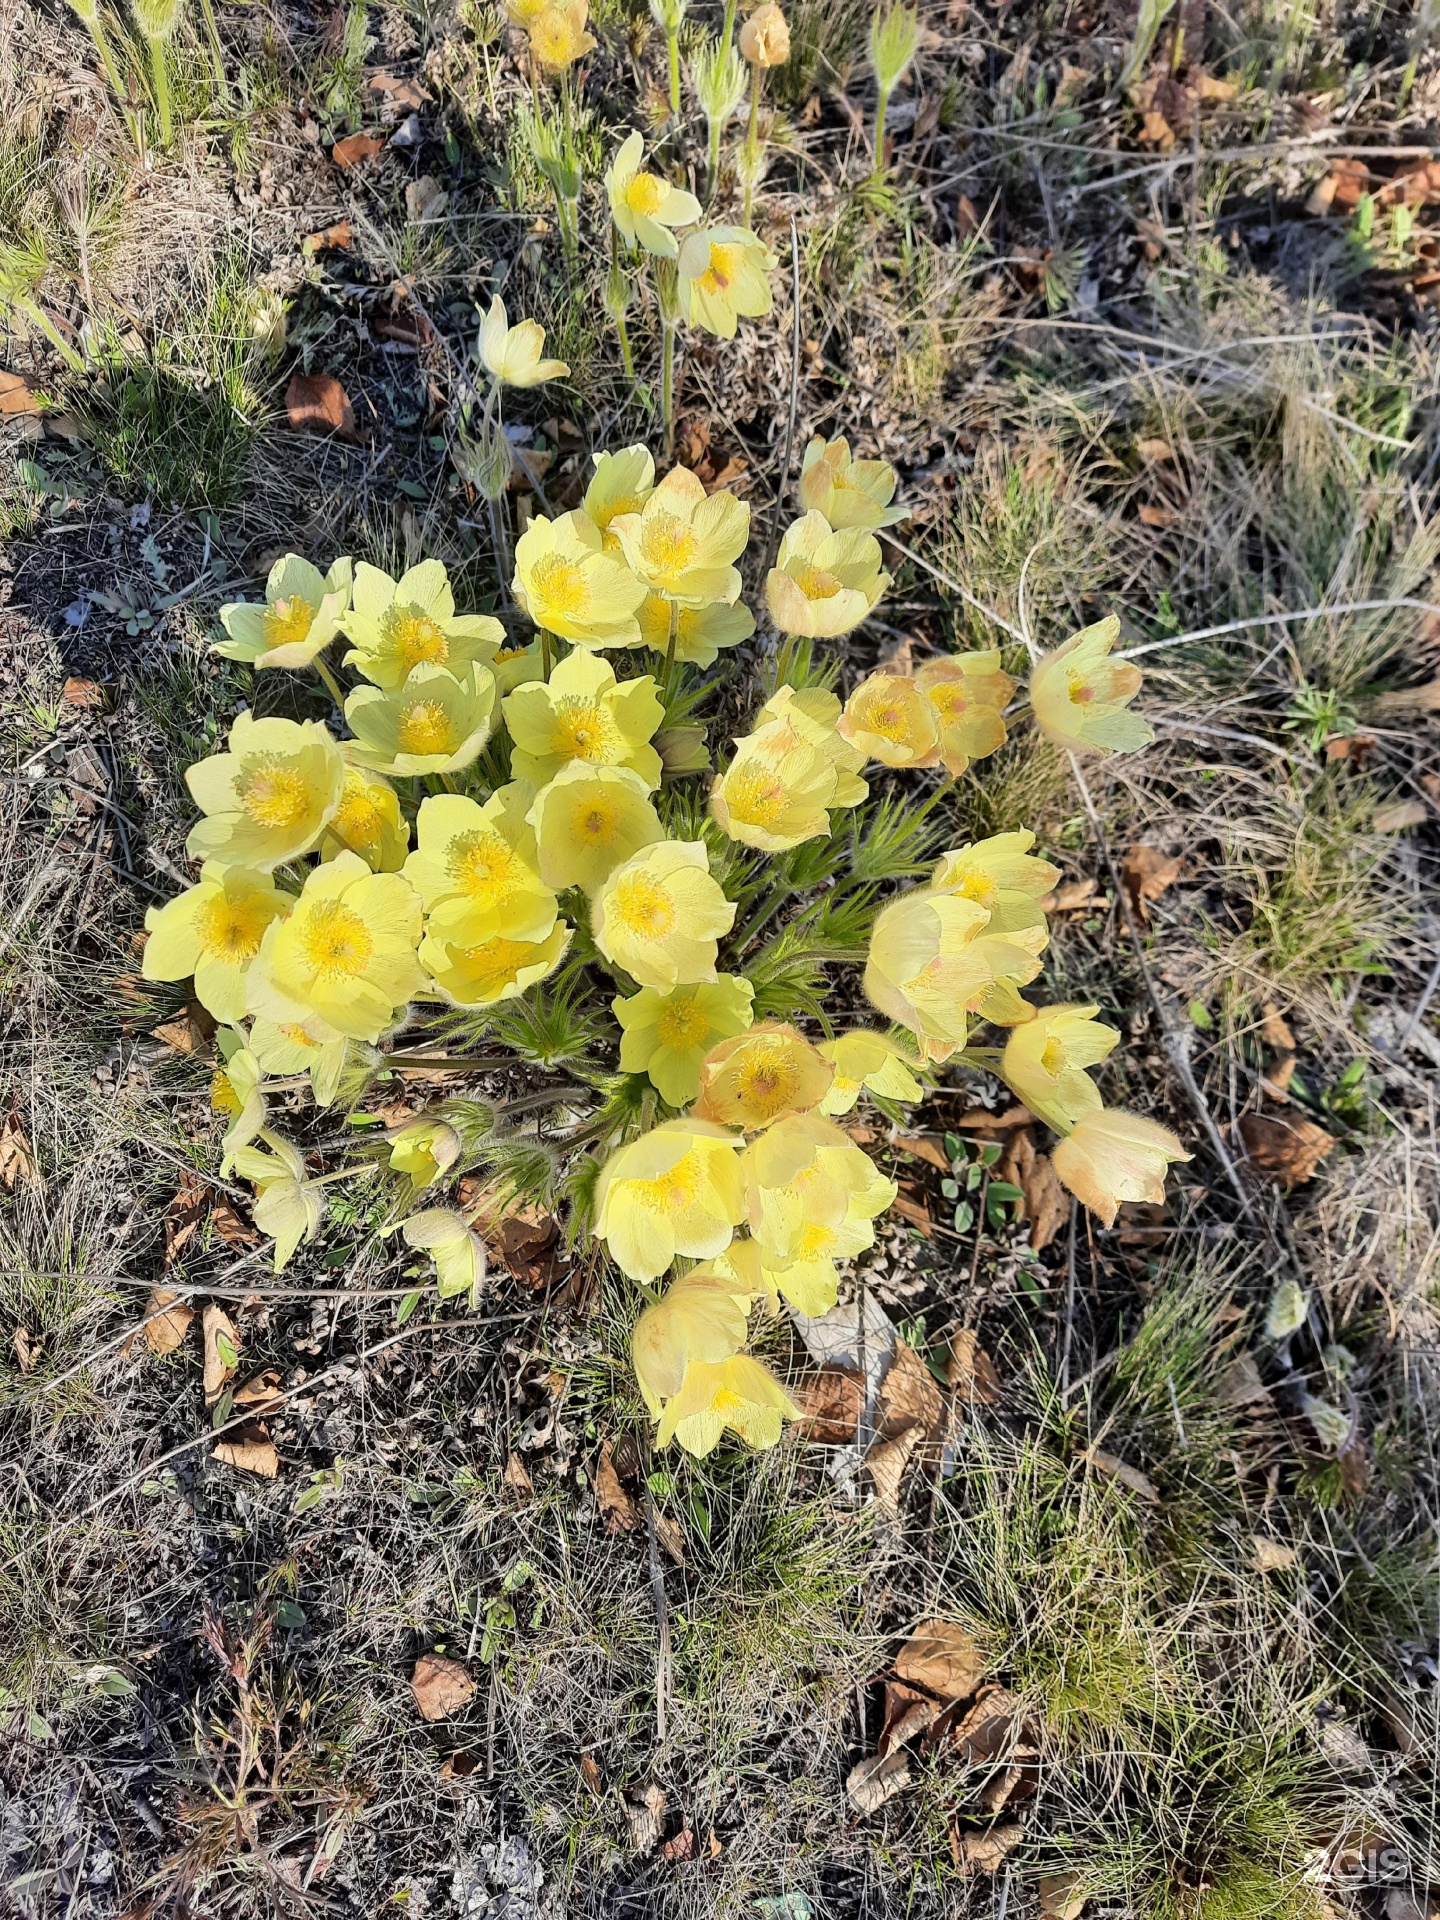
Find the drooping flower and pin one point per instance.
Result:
(514, 356)
(569, 584)
(804, 1173)
(492, 970)
(622, 483)
(588, 820)
(237, 1094)
(347, 951)
(289, 1041)
(213, 931)
(762, 1076)
(849, 493)
(699, 1318)
(814, 714)
(675, 1190)
(267, 799)
(775, 792)
(659, 916)
(643, 205)
(969, 692)
(824, 583)
(1045, 1059)
(739, 1394)
(288, 1206)
(583, 713)
(423, 1150)
(765, 37)
(476, 869)
(924, 970)
(1080, 695)
(863, 1059)
(667, 1035)
(1111, 1157)
(682, 541)
(301, 615)
(722, 277)
(368, 821)
(1001, 875)
(437, 722)
(454, 1246)
(889, 719)
(558, 37)
(397, 625)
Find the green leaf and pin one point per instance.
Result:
(964, 1217)
(408, 1305)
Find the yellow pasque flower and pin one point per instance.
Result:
(237, 1095)
(739, 1394)
(622, 483)
(700, 632)
(517, 666)
(268, 798)
(762, 1076)
(659, 916)
(569, 584)
(765, 37)
(1080, 695)
(1045, 1059)
(675, 1190)
(923, 968)
(422, 1151)
(1002, 875)
(454, 1246)
(775, 791)
(213, 931)
(288, 1206)
(849, 493)
(806, 1173)
(814, 714)
(493, 970)
(397, 625)
(824, 583)
(290, 1041)
(682, 541)
(558, 37)
(521, 12)
(643, 206)
(475, 868)
(368, 821)
(347, 951)
(588, 820)
(1111, 1157)
(667, 1035)
(889, 719)
(723, 276)
(437, 722)
(863, 1059)
(301, 615)
(583, 713)
(700, 1318)
(514, 355)
(811, 1280)
(969, 692)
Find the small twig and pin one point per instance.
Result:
(1278, 620)
(657, 1591)
(939, 573)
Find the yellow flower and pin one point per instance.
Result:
(513, 355)
(889, 719)
(517, 666)
(722, 276)
(294, 1042)
(584, 714)
(865, 1059)
(454, 1246)
(643, 206)
(811, 1281)
(569, 584)
(213, 931)
(368, 821)
(1112, 1157)
(587, 821)
(436, 723)
(804, 1174)
(289, 1207)
(823, 583)
(675, 1190)
(558, 37)
(301, 615)
(521, 12)
(660, 914)
(765, 37)
(622, 483)
(423, 1150)
(681, 542)
(494, 970)
(700, 632)
(268, 798)
(667, 1035)
(1001, 875)
(968, 692)
(923, 968)
(1045, 1059)
(397, 625)
(237, 1094)
(475, 869)
(1080, 695)
(699, 1318)
(814, 715)
(347, 952)
(739, 1394)
(774, 793)
(849, 493)
(759, 1077)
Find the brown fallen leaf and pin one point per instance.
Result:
(829, 1403)
(1151, 451)
(977, 1853)
(232, 1227)
(26, 1350)
(1275, 1029)
(317, 403)
(1074, 896)
(17, 1161)
(261, 1393)
(590, 1773)
(1240, 1385)
(82, 693)
(1147, 874)
(886, 1463)
(645, 1816)
(17, 394)
(441, 1687)
(872, 1782)
(943, 1658)
(1046, 1204)
(1156, 131)
(355, 148)
(682, 1847)
(222, 1351)
(458, 1766)
(189, 1032)
(970, 1370)
(1399, 815)
(668, 1533)
(528, 1244)
(1156, 516)
(929, 1147)
(334, 239)
(1114, 1468)
(991, 1729)
(621, 1513)
(167, 1330)
(250, 1449)
(516, 1476)
(981, 1120)
(1284, 1149)
(1276, 1079)
(404, 94)
(908, 1712)
(1422, 699)
(1271, 1556)
(909, 1396)
(182, 1217)
(1062, 1896)
(911, 1205)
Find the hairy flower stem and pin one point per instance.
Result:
(673, 43)
(880, 131)
(667, 384)
(627, 358)
(160, 73)
(217, 51)
(752, 144)
(727, 32)
(712, 160)
(332, 684)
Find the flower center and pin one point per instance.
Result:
(815, 1241)
(766, 1084)
(287, 621)
(495, 963)
(336, 941)
(683, 1025)
(980, 888)
(415, 638)
(230, 931)
(667, 543)
(272, 793)
(724, 267)
(484, 867)
(817, 583)
(727, 1401)
(560, 584)
(756, 797)
(425, 727)
(887, 718)
(671, 1192)
(1080, 691)
(643, 907)
(357, 820)
(951, 699)
(298, 1037)
(646, 194)
(583, 731)
(596, 822)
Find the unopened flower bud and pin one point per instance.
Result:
(765, 37)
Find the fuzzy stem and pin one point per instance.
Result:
(728, 30)
(161, 75)
(674, 636)
(38, 317)
(107, 57)
(751, 142)
(667, 384)
(712, 160)
(673, 40)
(217, 51)
(626, 357)
(331, 683)
(544, 654)
(880, 131)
